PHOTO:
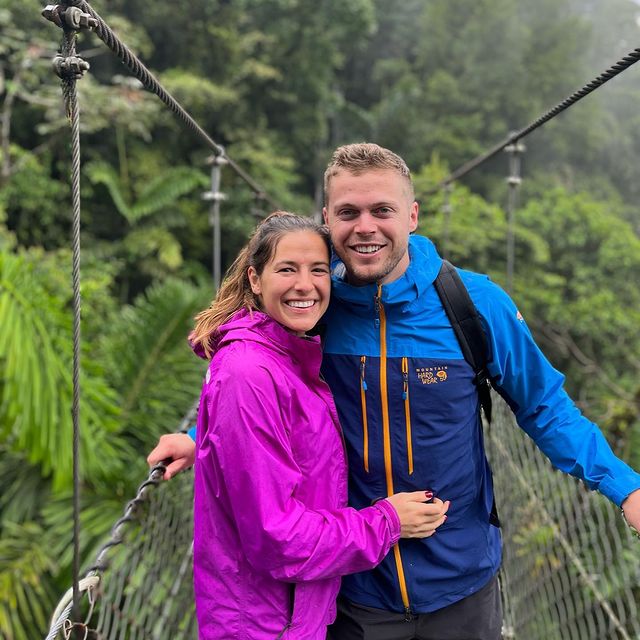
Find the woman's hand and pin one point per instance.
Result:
(418, 518)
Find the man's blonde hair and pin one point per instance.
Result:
(364, 156)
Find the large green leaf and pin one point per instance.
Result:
(157, 194)
(35, 359)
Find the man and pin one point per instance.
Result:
(410, 411)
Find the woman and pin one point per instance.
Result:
(272, 532)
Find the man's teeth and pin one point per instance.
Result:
(301, 304)
(369, 248)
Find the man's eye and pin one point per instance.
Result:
(347, 213)
(383, 211)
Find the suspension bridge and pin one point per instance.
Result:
(571, 566)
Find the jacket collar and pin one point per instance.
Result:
(406, 292)
(258, 327)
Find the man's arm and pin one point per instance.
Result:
(535, 393)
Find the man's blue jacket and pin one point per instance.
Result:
(409, 411)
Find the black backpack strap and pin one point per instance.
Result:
(467, 326)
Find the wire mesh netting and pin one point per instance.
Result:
(571, 566)
(147, 591)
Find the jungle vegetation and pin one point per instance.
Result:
(280, 83)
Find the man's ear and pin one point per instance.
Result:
(325, 215)
(254, 281)
(413, 216)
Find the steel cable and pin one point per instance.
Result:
(71, 107)
(133, 63)
(607, 75)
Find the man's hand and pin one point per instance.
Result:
(178, 448)
(631, 509)
(417, 518)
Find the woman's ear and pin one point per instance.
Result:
(254, 281)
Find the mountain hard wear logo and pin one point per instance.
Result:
(432, 375)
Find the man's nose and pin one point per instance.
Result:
(365, 224)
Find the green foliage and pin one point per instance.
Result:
(280, 83)
(158, 194)
(35, 352)
(138, 379)
(26, 599)
(148, 246)
(36, 204)
(149, 361)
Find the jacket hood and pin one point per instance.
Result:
(406, 291)
(261, 328)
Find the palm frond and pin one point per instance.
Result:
(24, 490)
(152, 365)
(163, 191)
(35, 356)
(102, 173)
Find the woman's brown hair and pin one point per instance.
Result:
(235, 291)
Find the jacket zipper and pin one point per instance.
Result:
(407, 411)
(386, 436)
(363, 403)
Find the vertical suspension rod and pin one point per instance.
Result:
(515, 150)
(215, 196)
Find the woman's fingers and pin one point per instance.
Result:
(418, 518)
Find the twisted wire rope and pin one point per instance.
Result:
(617, 68)
(68, 49)
(140, 71)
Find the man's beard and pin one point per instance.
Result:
(372, 275)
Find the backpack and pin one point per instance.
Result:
(466, 324)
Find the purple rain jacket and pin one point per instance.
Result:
(272, 532)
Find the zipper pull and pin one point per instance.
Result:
(363, 382)
(408, 616)
(377, 305)
(405, 379)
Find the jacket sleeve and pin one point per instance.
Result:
(535, 393)
(251, 449)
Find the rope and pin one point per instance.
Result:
(117, 531)
(133, 63)
(576, 561)
(607, 75)
(68, 52)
